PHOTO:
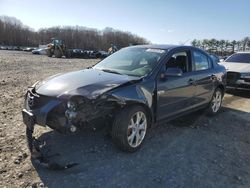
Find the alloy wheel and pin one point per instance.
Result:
(137, 129)
(216, 102)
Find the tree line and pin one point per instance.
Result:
(222, 47)
(14, 33)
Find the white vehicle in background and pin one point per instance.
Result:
(238, 70)
(40, 51)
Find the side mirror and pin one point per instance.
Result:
(173, 72)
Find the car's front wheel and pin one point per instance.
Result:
(129, 128)
(49, 53)
(216, 102)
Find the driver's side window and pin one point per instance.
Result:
(178, 60)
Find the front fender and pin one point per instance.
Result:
(141, 94)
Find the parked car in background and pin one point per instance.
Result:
(40, 51)
(9, 47)
(28, 49)
(238, 70)
(223, 58)
(101, 54)
(91, 53)
(78, 53)
(128, 92)
(17, 48)
(3, 48)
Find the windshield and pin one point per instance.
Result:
(239, 58)
(131, 61)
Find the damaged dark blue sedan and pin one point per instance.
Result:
(128, 92)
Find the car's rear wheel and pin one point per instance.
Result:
(129, 128)
(216, 102)
(58, 53)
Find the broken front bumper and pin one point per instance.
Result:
(36, 110)
(32, 115)
(29, 121)
(33, 144)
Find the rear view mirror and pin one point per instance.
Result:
(173, 72)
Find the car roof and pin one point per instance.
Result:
(168, 47)
(160, 46)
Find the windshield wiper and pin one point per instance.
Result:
(110, 71)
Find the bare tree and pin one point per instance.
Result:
(13, 32)
(245, 42)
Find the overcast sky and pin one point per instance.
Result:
(159, 21)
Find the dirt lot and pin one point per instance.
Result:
(193, 151)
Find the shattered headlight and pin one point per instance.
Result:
(71, 113)
(71, 105)
(75, 102)
(245, 75)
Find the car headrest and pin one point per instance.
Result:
(181, 62)
(171, 62)
(181, 59)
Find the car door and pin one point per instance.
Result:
(203, 76)
(175, 94)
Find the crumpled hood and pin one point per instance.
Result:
(237, 67)
(89, 83)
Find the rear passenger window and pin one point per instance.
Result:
(201, 61)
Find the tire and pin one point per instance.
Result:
(98, 56)
(49, 53)
(215, 104)
(58, 53)
(129, 128)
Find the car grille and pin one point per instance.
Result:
(246, 79)
(232, 77)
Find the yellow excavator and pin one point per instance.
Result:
(58, 48)
(112, 49)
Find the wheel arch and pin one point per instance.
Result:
(146, 107)
(222, 87)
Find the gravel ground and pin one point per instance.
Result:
(193, 151)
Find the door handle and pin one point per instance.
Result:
(192, 81)
(212, 77)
